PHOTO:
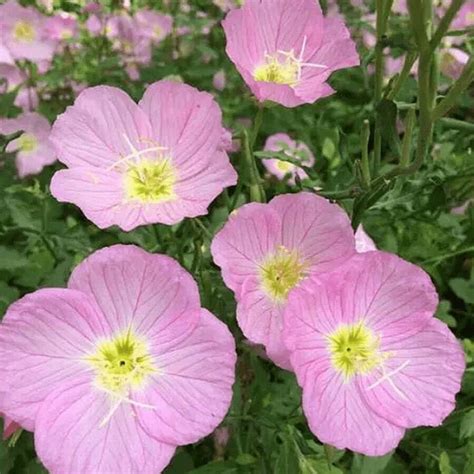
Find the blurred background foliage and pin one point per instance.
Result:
(41, 240)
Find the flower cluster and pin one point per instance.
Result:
(123, 366)
(355, 324)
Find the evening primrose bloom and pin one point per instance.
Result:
(22, 32)
(286, 49)
(130, 165)
(370, 357)
(33, 148)
(114, 372)
(266, 250)
(299, 151)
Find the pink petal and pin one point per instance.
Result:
(152, 293)
(192, 390)
(320, 231)
(70, 438)
(42, 338)
(261, 321)
(363, 241)
(99, 193)
(338, 416)
(247, 237)
(95, 131)
(9, 427)
(427, 370)
(186, 121)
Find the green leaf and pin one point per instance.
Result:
(370, 465)
(244, 459)
(466, 429)
(443, 313)
(387, 114)
(464, 289)
(11, 259)
(444, 464)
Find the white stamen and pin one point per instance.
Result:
(135, 153)
(115, 406)
(388, 377)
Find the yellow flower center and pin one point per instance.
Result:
(279, 68)
(27, 142)
(354, 350)
(24, 31)
(150, 181)
(281, 272)
(157, 31)
(285, 166)
(121, 363)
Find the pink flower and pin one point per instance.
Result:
(92, 7)
(286, 50)
(296, 150)
(465, 17)
(130, 165)
(61, 27)
(33, 148)
(452, 62)
(22, 31)
(370, 356)
(95, 25)
(154, 25)
(363, 242)
(26, 98)
(126, 35)
(9, 427)
(266, 250)
(219, 81)
(118, 369)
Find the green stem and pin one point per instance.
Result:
(256, 191)
(458, 88)
(379, 72)
(457, 124)
(364, 143)
(445, 22)
(203, 228)
(256, 126)
(410, 59)
(407, 138)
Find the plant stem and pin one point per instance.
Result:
(256, 191)
(458, 88)
(364, 143)
(407, 138)
(445, 22)
(410, 59)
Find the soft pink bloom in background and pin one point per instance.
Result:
(22, 32)
(465, 17)
(92, 7)
(153, 24)
(95, 25)
(34, 150)
(130, 165)
(219, 81)
(452, 62)
(88, 412)
(5, 55)
(363, 241)
(370, 356)
(61, 27)
(277, 245)
(26, 98)
(286, 50)
(294, 149)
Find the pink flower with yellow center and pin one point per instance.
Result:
(114, 372)
(266, 250)
(153, 25)
(33, 148)
(370, 357)
(286, 50)
(299, 151)
(22, 31)
(130, 165)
